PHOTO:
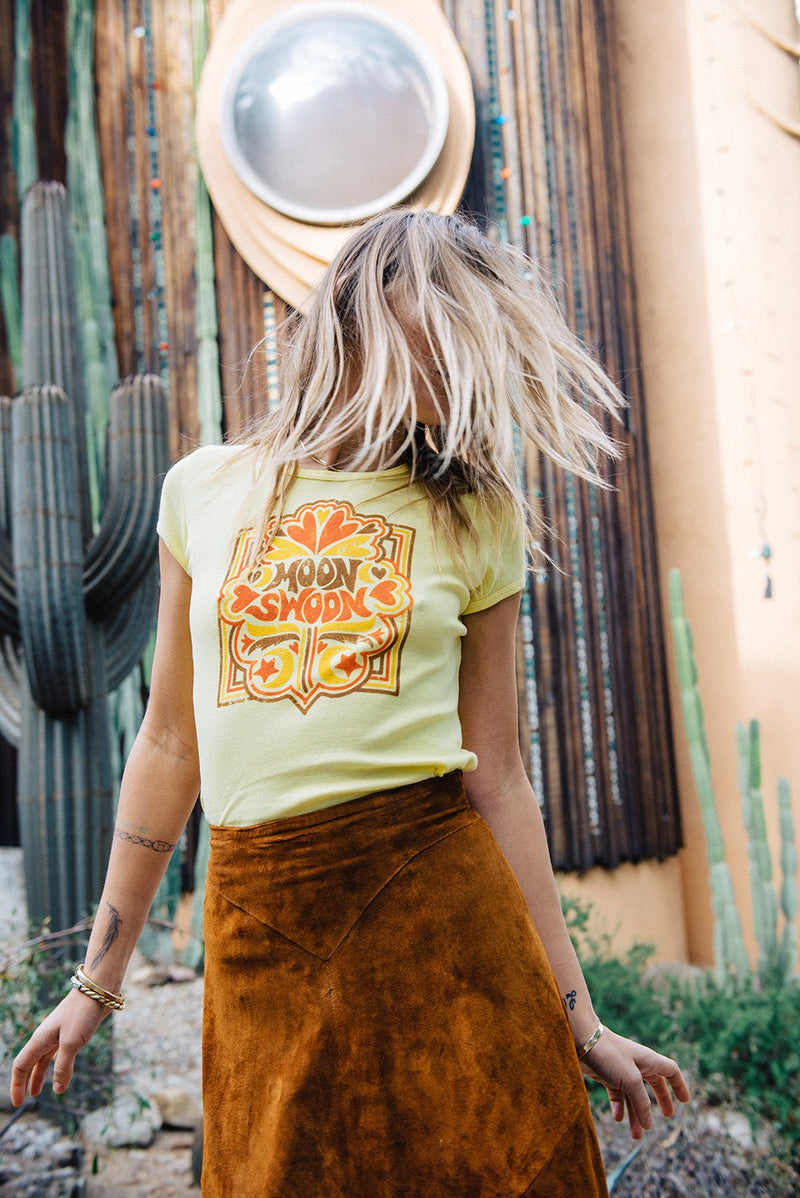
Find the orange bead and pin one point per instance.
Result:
(155, 184)
(505, 172)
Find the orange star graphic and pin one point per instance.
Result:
(266, 669)
(348, 662)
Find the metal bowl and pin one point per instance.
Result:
(331, 112)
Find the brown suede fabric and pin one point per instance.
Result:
(380, 1017)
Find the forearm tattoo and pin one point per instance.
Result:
(158, 846)
(112, 931)
(570, 999)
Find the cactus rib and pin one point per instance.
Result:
(789, 884)
(10, 710)
(129, 628)
(51, 345)
(9, 621)
(48, 556)
(78, 638)
(117, 559)
(730, 955)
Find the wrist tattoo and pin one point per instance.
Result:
(158, 846)
(570, 999)
(112, 931)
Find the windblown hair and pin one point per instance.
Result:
(418, 304)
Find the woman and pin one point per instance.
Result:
(393, 1005)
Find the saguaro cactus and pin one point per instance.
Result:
(774, 956)
(75, 608)
(765, 905)
(789, 885)
(730, 955)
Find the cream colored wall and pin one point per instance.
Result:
(635, 903)
(714, 191)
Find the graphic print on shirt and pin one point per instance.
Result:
(325, 611)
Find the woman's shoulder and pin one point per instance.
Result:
(494, 518)
(204, 466)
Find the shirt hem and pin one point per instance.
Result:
(513, 588)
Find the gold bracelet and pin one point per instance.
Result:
(80, 980)
(590, 1043)
(83, 976)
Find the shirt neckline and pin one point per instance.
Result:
(350, 475)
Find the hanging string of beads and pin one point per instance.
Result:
(501, 176)
(595, 564)
(154, 193)
(271, 348)
(496, 120)
(130, 141)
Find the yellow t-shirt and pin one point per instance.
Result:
(330, 670)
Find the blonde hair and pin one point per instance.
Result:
(494, 344)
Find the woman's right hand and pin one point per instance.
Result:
(61, 1035)
(159, 788)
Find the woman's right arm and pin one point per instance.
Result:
(158, 791)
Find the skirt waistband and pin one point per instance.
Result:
(432, 796)
(310, 876)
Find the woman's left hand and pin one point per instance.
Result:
(623, 1067)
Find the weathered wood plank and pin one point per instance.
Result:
(9, 208)
(172, 62)
(49, 83)
(112, 128)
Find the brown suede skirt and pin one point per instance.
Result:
(380, 1018)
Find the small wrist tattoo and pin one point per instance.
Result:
(112, 931)
(158, 846)
(570, 999)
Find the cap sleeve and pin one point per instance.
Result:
(503, 562)
(171, 524)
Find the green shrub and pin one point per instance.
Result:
(34, 977)
(740, 1046)
(744, 1046)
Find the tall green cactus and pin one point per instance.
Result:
(730, 955)
(75, 609)
(765, 907)
(789, 883)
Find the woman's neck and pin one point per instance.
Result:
(343, 457)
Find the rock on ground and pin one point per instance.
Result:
(36, 1161)
(684, 1158)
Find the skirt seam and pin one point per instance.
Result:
(388, 881)
(400, 869)
(263, 923)
(546, 1163)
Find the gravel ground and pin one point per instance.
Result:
(688, 1157)
(157, 1048)
(701, 1154)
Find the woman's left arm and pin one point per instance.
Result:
(500, 792)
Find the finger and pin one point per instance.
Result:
(638, 1100)
(637, 1129)
(24, 1066)
(617, 1103)
(38, 1074)
(19, 1084)
(63, 1067)
(663, 1094)
(668, 1069)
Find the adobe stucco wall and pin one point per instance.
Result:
(714, 192)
